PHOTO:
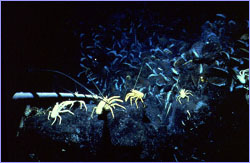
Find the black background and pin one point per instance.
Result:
(43, 35)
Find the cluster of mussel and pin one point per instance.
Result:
(210, 66)
(113, 54)
(214, 64)
(216, 59)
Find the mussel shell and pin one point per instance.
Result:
(179, 62)
(217, 81)
(217, 76)
(160, 82)
(217, 72)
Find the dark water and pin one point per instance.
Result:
(196, 46)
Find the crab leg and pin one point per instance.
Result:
(82, 102)
(131, 99)
(49, 114)
(53, 122)
(60, 119)
(136, 102)
(111, 110)
(64, 111)
(113, 105)
(128, 95)
(113, 97)
(179, 99)
(93, 112)
(142, 102)
(114, 100)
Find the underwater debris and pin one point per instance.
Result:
(29, 95)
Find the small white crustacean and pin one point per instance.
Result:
(184, 94)
(135, 94)
(243, 76)
(58, 108)
(107, 104)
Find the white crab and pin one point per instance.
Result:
(184, 94)
(107, 104)
(58, 108)
(243, 76)
(135, 94)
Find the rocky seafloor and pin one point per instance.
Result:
(161, 59)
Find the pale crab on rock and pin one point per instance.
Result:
(184, 94)
(58, 108)
(135, 94)
(107, 104)
(243, 76)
